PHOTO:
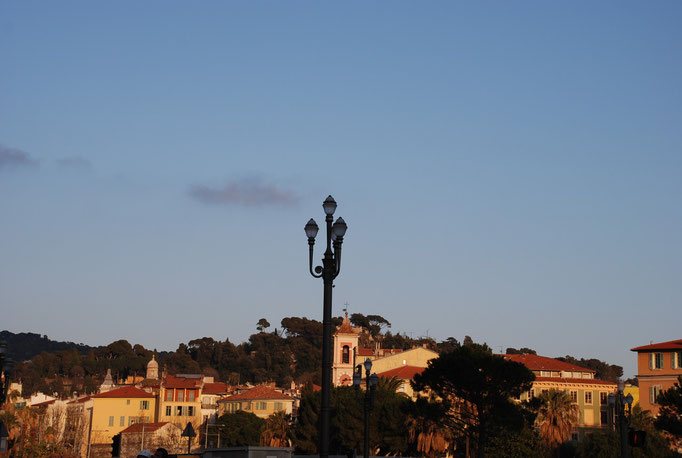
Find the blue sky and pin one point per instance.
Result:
(508, 171)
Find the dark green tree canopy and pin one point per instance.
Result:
(477, 387)
(670, 414)
(262, 325)
(240, 428)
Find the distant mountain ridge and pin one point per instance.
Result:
(25, 345)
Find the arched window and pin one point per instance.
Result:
(345, 355)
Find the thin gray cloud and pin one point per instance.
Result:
(14, 158)
(76, 162)
(245, 193)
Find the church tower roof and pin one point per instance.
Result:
(346, 327)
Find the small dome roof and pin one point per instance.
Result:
(153, 363)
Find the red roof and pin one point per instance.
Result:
(543, 363)
(125, 392)
(670, 345)
(402, 372)
(214, 388)
(346, 327)
(574, 380)
(172, 381)
(83, 399)
(258, 392)
(147, 427)
(365, 352)
(44, 403)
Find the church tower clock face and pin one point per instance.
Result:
(345, 380)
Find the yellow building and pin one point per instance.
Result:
(115, 410)
(384, 361)
(260, 400)
(180, 400)
(590, 394)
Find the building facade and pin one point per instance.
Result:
(180, 400)
(591, 395)
(115, 410)
(658, 366)
(261, 400)
(345, 347)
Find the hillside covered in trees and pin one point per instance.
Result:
(289, 353)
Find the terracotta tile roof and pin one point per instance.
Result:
(172, 381)
(670, 345)
(402, 372)
(83, 399)
(365, 352)
(44, 403)
(543, 363)
(214, 388)
(346, 327)
(258, 392)
(125, 392)
(148, 427)
(575, 380)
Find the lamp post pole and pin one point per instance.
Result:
(618, 401)
(328, 271)
(370, 383)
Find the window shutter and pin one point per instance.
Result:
(651, 360)
(652, 394)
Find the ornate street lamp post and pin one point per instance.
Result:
(370, 382)
(328, 271)
(618, 402)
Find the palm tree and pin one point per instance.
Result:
(276, 430)
(426, 432)
(557, 416)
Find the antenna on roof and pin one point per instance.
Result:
(345, 309)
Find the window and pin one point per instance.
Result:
(169, 395)
(603, 398)
(178, 411)
(279, 406)
(345, 355)
(122, 421)
(190, 395)
(588, 397)
(531, 394)
(544, 391)
(655, 360)
(261, 405)
(181, 395)
(144, 405)
(169, 411)
(604, 420)
(574, 396)
(676, 360)
(545, 374)
(654, 391)
(111, 420)
(127, 402)
(190, 411)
